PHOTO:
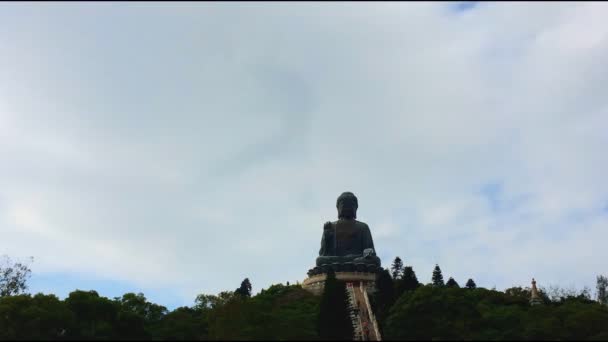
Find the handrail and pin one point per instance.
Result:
(371, 313)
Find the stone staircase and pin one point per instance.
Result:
(363, 318)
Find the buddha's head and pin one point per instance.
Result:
(347, 206)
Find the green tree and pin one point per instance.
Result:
(397, 268)
(205, 301)
(442, 313)
(602, 294)
(432, 313)
(137, 303)
(437, 277)
(39, 317)
(384, 296)
(277, 313)
(470, 284)
(334, 317)
(182, 324)
(452, 283)
(408, 282)
(136, 311)
(96, 317)
(13, 277)
(245, 289)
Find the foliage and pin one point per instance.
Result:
(97, 317)
(435, 313)
(205, 301)
(559, 294)
(26, 317)
(397, 268)
(245, 289)
(524, 294)
(437, 277)
(408, 281)
(602, 285)
(182, 324)
(134, 308)
(279, 313)
(452, 283)
(384, 296)
(13, 277)
(290, 313)
(334, 322)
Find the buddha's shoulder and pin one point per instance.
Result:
(354, 223)
(361, 224)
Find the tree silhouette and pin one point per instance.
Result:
(334, 317)
(602, 294)
(437, 277)
(385, 295)
(397, 268)
(470, 284)
(452, 283)
(408, 282)
(245, 289)
(13, 277)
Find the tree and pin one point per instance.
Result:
(13, 277)
(138, 304)
(408, 282)
(397, 268)
(334, 317)
(95, 317)
(452, 283)
(409, 279)
(557, 294)
(245, 289)
(602, 294)
(437, 277)
(432, 313)
(136, 311)
(205, 301)
(385, 295)
(441, 313)
(280, 313)
(182, 324)
(470, 284)
(39, 317)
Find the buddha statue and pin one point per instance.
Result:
(346, 244)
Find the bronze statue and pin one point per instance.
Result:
(346, 244)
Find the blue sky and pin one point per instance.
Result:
(462, 6)
(175, 149)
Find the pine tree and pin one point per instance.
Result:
(408, 282)
(602, 294)
(452, 283)
(437, 277)
(397, 268)
(334, 321)
(470, 284)
(245, 289)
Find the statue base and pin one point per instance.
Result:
(346, 267)
(316, 283)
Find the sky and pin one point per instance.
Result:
(177, 148)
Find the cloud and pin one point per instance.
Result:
(191, 147)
